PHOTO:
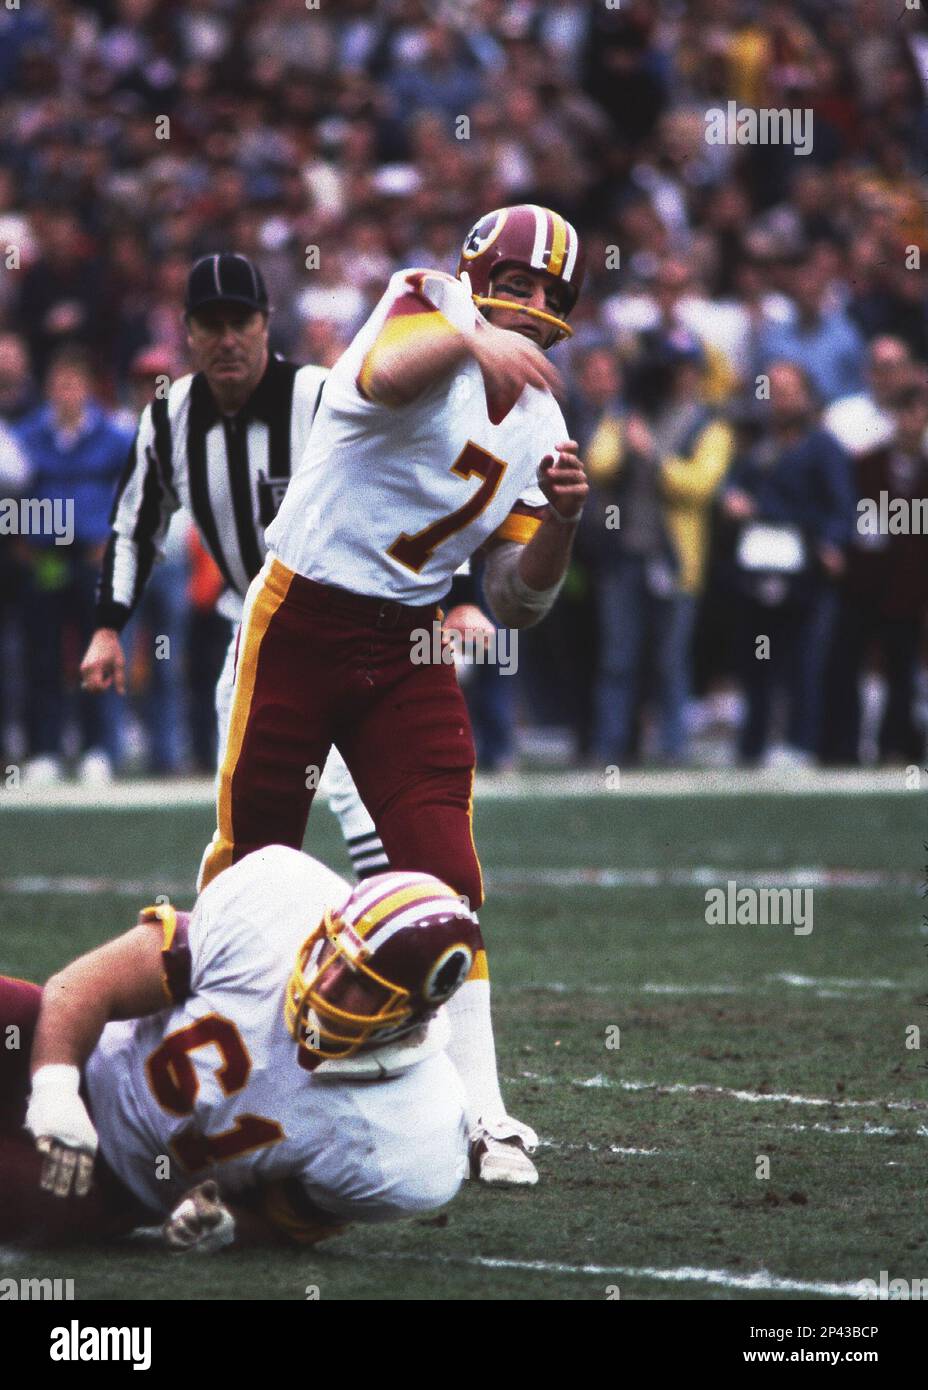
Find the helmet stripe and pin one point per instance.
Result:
(375, 890)
(573, 242)
(407, 917)
(558, 243)
(541, 236)
(418, 894)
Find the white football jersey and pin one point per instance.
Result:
(388, 502)
(211, 1087)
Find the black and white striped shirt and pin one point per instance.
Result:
(230, 472)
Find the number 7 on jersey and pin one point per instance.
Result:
(471, 462)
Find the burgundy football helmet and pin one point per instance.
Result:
(529, 236)
(407, 939)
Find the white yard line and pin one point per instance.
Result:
(812, 982)
(760, 1281)
(671, 987)
(520, 879)
(838, 1129)
(652, 988)
(590, 1148)
(166, 795)
(700, 876)
(600, 1082)
(81, 885)
(866, 1130)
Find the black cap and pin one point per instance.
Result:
(225, 279)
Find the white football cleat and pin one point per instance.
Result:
(499, 1152)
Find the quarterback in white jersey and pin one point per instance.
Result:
(365, 466)
(438, 436)
(285, 1044)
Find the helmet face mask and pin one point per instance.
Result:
(551, 327)
(533, 238)
(342, 998)
(324, 1029)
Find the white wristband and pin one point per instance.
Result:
(56, 1111)
(534, 600)
(60, 1077)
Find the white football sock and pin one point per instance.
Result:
(368, 855)
(473, 1051)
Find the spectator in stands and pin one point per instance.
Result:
(14, 469)
(18, 396)
(652, 500)
(884, 595)
(821, 338)
(14, 480)
(157, 634)
(864, 422)
(791, 499)
(61, 293)
(76, 454)
(435, 71)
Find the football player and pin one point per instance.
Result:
(437, 435)
(280, 1050)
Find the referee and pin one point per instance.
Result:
(222, 444)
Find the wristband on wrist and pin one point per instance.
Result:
(57, 1076)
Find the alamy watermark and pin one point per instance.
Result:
(440, 646)
(868, 1289)
(37, 1290)
(764, 126)
(732, 906)
(38, 516)
(77, 1343)
(892, 516)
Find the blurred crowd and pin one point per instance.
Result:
(748, 363)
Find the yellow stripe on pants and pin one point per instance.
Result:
(470, 827)
(271, 595)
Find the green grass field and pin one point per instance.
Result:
(736, 1042)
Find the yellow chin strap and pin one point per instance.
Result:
(484, 301)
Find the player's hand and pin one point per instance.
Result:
(562, 479)
(473, 625)
(510, 362)
(104, 664)
(63, 1131)
(201, 1221)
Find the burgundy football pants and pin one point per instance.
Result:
(318, 666)
(27, 1214)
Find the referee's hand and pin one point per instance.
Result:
(104, 664)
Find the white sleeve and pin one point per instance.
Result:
(307, 393)
(532, 496)
(448, 295)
